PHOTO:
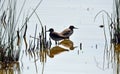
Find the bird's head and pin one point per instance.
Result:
(72, 27)
(50, 30)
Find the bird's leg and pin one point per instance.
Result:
(68, 38)
(55, 42)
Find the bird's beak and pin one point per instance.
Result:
(75, 28)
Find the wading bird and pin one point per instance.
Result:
(55, 35)
(68, 32)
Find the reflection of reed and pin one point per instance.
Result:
(11, 68)
(117, 57)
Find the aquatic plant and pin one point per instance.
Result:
(12, 34)
(112, 53)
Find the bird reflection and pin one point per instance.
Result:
(56, 50)
(68, 45)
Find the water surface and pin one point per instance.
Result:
(61, 14)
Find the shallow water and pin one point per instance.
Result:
(59, 15)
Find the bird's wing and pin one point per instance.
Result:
(66, 32)
(57, 35)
